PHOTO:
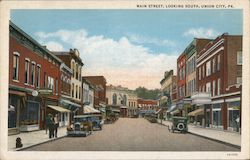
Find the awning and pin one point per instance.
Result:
(59, 109)
(173, 107)
(175, 111)
(123, 107)
(70, 105)
(11, 108)
(89, 110)
(196, 112)
(102, 110)
(115, 110)
(102, 105)
(159, 111)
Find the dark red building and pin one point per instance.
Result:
(219, 73)
(100, 92)
(32, 68)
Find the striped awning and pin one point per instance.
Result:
(90, 110)
(196, 112)
(59, 109)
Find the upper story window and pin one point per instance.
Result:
(114, 99)
(38, 76)
(76, 70)
(199, 73)
(214, 65)
(79, 72)
(218, 87)
(208, 68)
(33, 70)
(203, 71)
(239, 58)
(73, 68)
(26, 70)
(239, 80)
(72, 90)
(218, 62)
(76, 91)
(51, 83)
(15, 65)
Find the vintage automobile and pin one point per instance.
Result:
(97, 121)
(179, 124)
(81, 126)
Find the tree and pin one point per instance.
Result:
(145, 93)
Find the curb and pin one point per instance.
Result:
(216, 140)
(49, 140)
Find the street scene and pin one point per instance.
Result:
(142, 136)
(113, 80)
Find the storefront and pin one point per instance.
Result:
(63, 114)
(73, 107)
(16, 102)
(30, 116)
(234, 116)
(217, 116)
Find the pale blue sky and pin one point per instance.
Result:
(139, 44)
(160, 24)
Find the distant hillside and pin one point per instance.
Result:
(145, 93)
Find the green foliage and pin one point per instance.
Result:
(145, 93)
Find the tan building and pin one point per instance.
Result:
(122, 98)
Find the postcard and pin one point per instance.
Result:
(124, 79)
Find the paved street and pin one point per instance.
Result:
(133, 135)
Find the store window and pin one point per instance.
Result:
(14, 101)
(30, 114)
(217, 121)
(234, 115)
(15, 65)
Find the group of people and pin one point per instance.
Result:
(52, 123)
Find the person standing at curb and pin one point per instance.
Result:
(51, 126)
(56, 124)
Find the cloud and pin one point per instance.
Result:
(54, 46)
(201, 33)
(151, 40)
(120, 61)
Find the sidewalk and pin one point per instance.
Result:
(33, 138)
(218, 135)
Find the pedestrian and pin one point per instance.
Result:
(56, 124)
(47, 119)
(51, 126)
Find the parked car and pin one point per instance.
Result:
(97, 121)
(81, 126)
(179, 124)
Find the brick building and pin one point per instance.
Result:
(219, 76)
(73, 61)
(32, 68)
(100, 92)
(147, 106)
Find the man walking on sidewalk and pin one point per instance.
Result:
(56, 124)
(51, 126)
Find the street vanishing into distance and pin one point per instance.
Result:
(133, 134)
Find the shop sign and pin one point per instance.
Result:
(45, 92)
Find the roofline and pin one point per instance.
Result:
(34, 41)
